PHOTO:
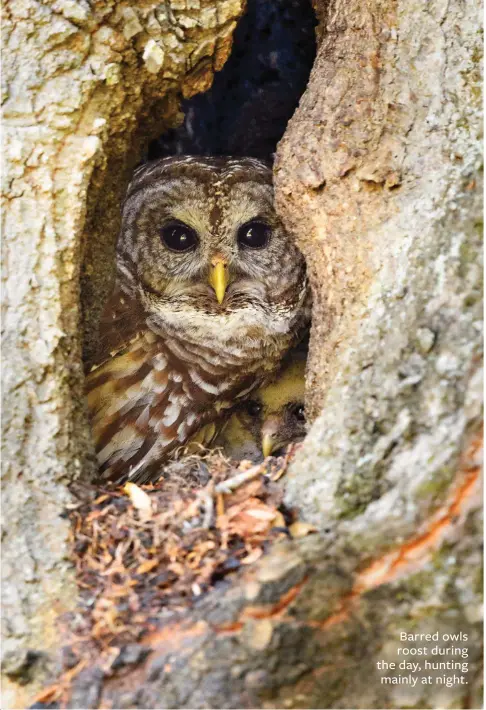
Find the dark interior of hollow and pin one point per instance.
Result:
(252, 98)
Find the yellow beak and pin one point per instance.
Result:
(268, 445)
(218, 277)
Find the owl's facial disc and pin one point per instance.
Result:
(203, 247)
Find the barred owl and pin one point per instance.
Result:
(210, 293)
(272, 418)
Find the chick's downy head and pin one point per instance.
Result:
(273, 418)
(282, 419)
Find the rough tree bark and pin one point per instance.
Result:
(378, 177)
(85, 84)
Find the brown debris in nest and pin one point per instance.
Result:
(144, 553)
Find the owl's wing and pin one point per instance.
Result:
(144, 404)
(121, 323)
(144, 401)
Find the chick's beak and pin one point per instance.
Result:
(271, 441)
(219, 277)
(268, 445)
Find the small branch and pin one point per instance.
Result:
(231, 484)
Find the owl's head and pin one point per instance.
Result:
(200, 239)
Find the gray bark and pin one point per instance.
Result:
(85, 85)
(378, 177)
(385, 154)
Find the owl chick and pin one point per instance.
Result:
(273, 418)
(210, 293)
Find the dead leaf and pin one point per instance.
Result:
(140, 499)
(301, 529)
(146, 566)
(262, 513)
(278, 521)
(248, 490)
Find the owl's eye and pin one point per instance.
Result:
(254, 235)
(253, 408)
(299, 412)
(177, 236)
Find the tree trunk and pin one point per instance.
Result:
(86, 84)
(377, 176)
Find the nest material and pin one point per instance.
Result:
(144, 554)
